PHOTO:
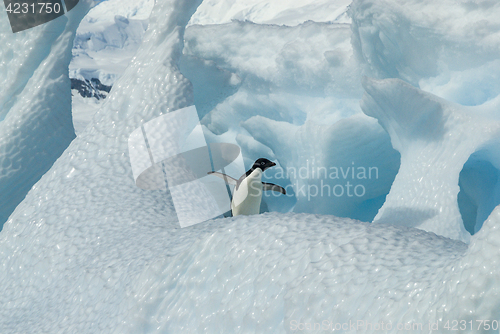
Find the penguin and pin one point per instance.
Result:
(247, 193)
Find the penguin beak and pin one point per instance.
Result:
(272, 164)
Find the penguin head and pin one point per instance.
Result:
(263, 164)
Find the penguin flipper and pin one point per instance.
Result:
(273, 187)
(228, 179)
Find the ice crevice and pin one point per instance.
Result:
(354, 143)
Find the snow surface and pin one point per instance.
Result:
(88, 251)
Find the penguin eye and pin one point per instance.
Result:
(262, 163)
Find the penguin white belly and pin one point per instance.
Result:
(247, 198)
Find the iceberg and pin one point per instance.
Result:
(88, 251)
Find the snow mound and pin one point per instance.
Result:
(265, 273)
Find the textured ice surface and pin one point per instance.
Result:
(448, 48)
(35, 102)
(435, 139)
(448, 151)
(75, 269)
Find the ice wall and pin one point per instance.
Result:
(435, 139)
(74, 250)
(35, 102)
(281, 73)
(447, 48)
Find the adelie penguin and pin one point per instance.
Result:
(247, 193)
